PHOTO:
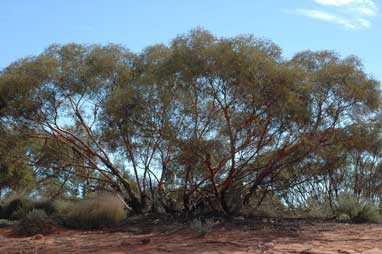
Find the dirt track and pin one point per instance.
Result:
(286, 238)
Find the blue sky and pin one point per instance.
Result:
(346, 26)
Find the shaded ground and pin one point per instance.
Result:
(235, 237)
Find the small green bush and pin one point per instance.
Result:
(270, 207)
(349, 205)
(20, 213)
(369, 214)
(200, 227)
(16, 209)
(318, 209)
(6, 223)
(342, 217)
(358, 211)
(102, 211)
(2, 211)
(46, 205)
(35, 222)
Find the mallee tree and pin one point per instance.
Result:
(202, 122)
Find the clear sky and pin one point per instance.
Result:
(346, 26)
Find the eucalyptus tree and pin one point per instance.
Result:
(57, 97)
(15, 172)
(249, 115)
(201, 121)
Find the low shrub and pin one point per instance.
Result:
(349, 205)
(16, 208)
(368, 213)
(318, 209)
(96, 213)
(358, 211)
(46, 205)
(270, 207)
(202, 228)
(35, 222)
(6, 223)
(1, 210)
(342, 217)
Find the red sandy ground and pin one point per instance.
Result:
(235, 238)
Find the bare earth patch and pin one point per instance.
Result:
(230, 238)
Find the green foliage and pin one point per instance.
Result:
(349, 205)
(14, 171)
(96, 213)
(368, 214)
(35, 222)
(17, 208)
(204, 113)
(357, 210)
(318, 209)
(21, 213)
(269, 206)
(46, 205)
(202, 228)
(342, 217)
(6, 223)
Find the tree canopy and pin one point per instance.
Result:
(201, 121)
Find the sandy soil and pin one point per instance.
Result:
(244, 237)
